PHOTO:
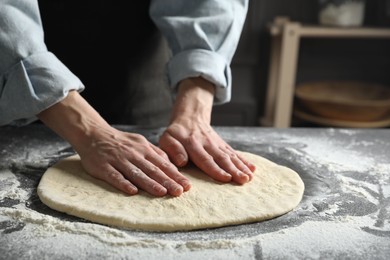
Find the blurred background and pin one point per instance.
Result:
(120, 56)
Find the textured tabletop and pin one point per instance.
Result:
(345, 211)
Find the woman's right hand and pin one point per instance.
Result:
(127, 161)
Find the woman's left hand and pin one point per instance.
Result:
(191, 137)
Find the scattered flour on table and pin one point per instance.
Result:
(79, 240)
(345, 164)
(332, 236)
(44, 225)
(329, 238)
(331, 153)
(360, 188)
(9, 187)
(341, 235)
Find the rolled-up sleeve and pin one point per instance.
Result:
(31, 78)
(203, 36)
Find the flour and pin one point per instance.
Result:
(318, 237)
(335, 155)
(340, 231)
(9, 187)
(331, 210)
(386, 190)
(327, 231)
(359, 188)
(44, 225)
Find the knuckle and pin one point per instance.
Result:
(170, 144)
(152, 169)
(181, 180)
(233, 155)
(167, 183)
(208, 141)
(147, 156)
(114, 177)
(138, 137)
(205, 158)
(191, 140)
(223, 157)
(165, 165)
(135, 173)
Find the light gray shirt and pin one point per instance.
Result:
(202, 34)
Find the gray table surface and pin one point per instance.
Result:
(344, 214)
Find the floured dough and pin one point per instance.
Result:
(274, 190)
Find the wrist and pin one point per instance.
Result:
(194, 100)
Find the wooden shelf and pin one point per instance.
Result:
(286, 37)
(321, 31)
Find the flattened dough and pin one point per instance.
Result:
(274, 190)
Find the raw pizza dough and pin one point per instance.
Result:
(274, 190)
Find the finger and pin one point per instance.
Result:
(116, 179)
(155, 173)
(225, 159)
(141, 180)
(171, 171)
(250, 166)
(205, 161)
(175, 150)
(239, 163)
(238, 160)
(159, 152)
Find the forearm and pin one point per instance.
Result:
(73, 119)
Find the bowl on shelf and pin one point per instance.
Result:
(344, 13)
(344, 100)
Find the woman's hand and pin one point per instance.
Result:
(127, 161)
(190, 136)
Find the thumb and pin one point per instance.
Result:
(175, 150)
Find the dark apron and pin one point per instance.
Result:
(117, 52)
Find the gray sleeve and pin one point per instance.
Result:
(31, 78)
(203, 36)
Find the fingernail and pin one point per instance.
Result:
(175, 190)
(241, 174)
(162, 191)
(186, 186)
(244, 177)
(132, 190)
(226, 174)
(179, 190)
